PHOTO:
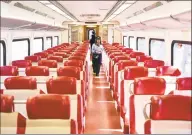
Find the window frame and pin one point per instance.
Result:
(150, 43)
(123, 40)
(129, 41)
(137, 47)
(23, 39)
(4, 52)
(42, 41)
(57, 40)
(51, 40)
(172, 48)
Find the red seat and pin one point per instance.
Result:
(37, 71)
(169, 115)
(184, 83)
(50, 112)
(153, 63)
(135, 54)
(63, 54)
(22, 63)
(20, 82)
(77, 58)
(167, 71)
(117, 79)
(57, 58)
(48, 63)
(11, 122)
(34, 58)
(9, 71)
(125, 49)
(144, 89)
(78, 63)
(42, 54)
(143, 58)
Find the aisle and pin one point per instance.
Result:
(101, 116)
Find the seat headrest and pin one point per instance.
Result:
(57, 58)
(33, 58)
(123, 57)
(63, 54)
(143, 58)
(20, 82)
(135, 54)
(184, 83)
(37, 71)
(153, 63)
(129, 51)
(70, 71)
(9, 71)
(77, 58)
(22, 63)
(51, 106)
(42, 54)
(7, 104)
(149, 86)
(132, 72)
(124, 63)
(78, 63)
(167, 71)
(48, 63)
(125, 49)
(171, 107)
(61, 85)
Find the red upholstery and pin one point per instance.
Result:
(49, 106)
(22, 63)
(129, 51)
(78, 63)
(153, 63)
(124, 63)
(79, 54)
(49, 51)
(135, 54)
(48, 63)
(64, 55)
(170, 107)
(61, 85)
(20, 82)
(42, 54)
(184, 83)
(132, 72)
(9, 71)
(167, 71)
(57, 58)
(69, 71)
(34, 58)
(125, 49)
(7, 104)
(143, 58)
(149, 85)
(77, 58)
(37, 71)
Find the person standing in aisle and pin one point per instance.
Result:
(92, 41)
(97, 50)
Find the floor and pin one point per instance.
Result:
(101, 115)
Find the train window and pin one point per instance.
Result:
(157, 49)
(38, 44)
(48, 43)
(132, 43)
(181, 56)
(125, 41)
(3, 53)
(20, 49)
(141, 46)
(56, 41)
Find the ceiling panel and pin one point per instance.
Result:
(77, 8)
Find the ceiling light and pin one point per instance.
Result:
(130, 1)
(122, 8)
(45, 2)
(111, 17)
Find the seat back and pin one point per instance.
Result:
(37, 71)
(169, 114)
(50, 112)
(34, 58)
(78, 63)
(144, 88)
(48, 63)
(11, 122)
(152, 65)
(57, 58)
(167, 71)
(140, 59)
(43, 55)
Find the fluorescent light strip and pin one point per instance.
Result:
(122, 8)
(45, 2)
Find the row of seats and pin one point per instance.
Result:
(136, 80)
(40, 97)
